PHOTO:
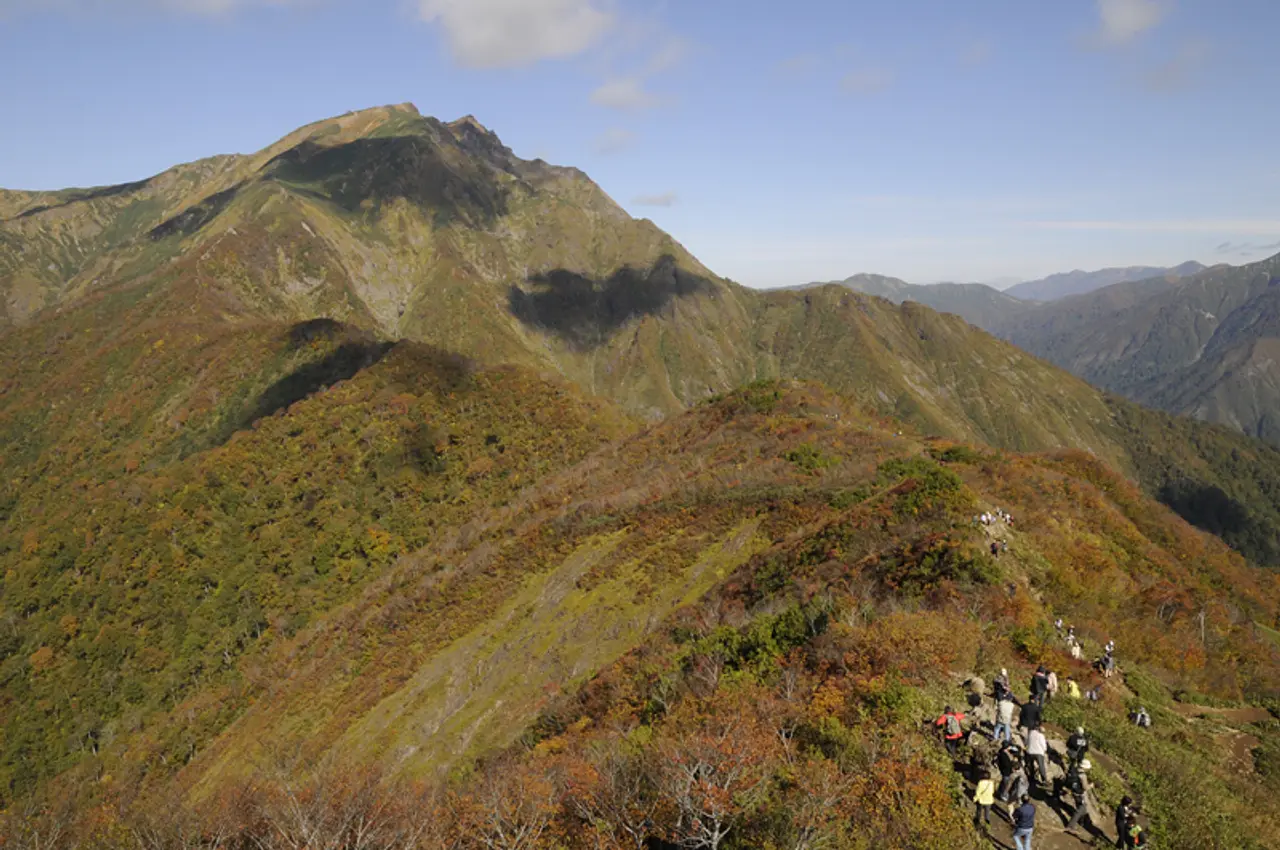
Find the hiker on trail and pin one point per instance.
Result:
(1141, 718)
(1073, 688)
(1039, 685)
(1094, 694)
(1077, 747)
(1000, 684)
(1051, 686)
(1136, 836)
(979, 762)
(1071, 634)
(952, 729)
(1079, 786)
(1038, 756)
(1057, 624)
(1108, 665)
(995, 549)
(1125, 814)
(1030, 716)
(1024, 824)
(1075, 650)
(984, 797)
(1019, 787)
(1004, 718)
(1111, 647)
(1008, 760)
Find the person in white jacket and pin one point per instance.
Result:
(1037, 756)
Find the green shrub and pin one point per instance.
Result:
(808, 458)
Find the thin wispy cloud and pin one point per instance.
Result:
(664, 199)
(866, 81)
(614, 140)
(1250, 227)
(515, 33)
(626, 93)
(1122, 21)
(1178, 73)
(195, 7)
(630, 91)
(798, 66)
(1246, 248)
(976, 53)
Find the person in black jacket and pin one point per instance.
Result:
(1039, 685)
(1007, 760)
(1077, 747)
(1029, 717)
(1124, 819)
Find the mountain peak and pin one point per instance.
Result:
(469, 122)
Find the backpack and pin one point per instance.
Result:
(952, 726)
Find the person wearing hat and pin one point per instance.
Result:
(1078, 784)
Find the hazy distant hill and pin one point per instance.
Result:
(1079, 282)
(976, 303)
(1204, 346)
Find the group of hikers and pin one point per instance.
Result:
(992, 517)
(1023, 763)
(999, 545)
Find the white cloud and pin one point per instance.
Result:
(1121, 21)
(1249, 227)
(627, 93)
(665, 199)
(867, 81)
(513, 33)
(614, 140)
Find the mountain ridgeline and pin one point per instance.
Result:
(383, 446)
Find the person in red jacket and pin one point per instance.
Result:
(952, 725)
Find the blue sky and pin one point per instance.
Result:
(780, 142)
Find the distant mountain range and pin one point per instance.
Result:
(1080, 282)
(1204, 344)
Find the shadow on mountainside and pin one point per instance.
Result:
(584, 311)
(1209, 508)
(352, 356)
(72, 196)
(379, 170)
(194, 217)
